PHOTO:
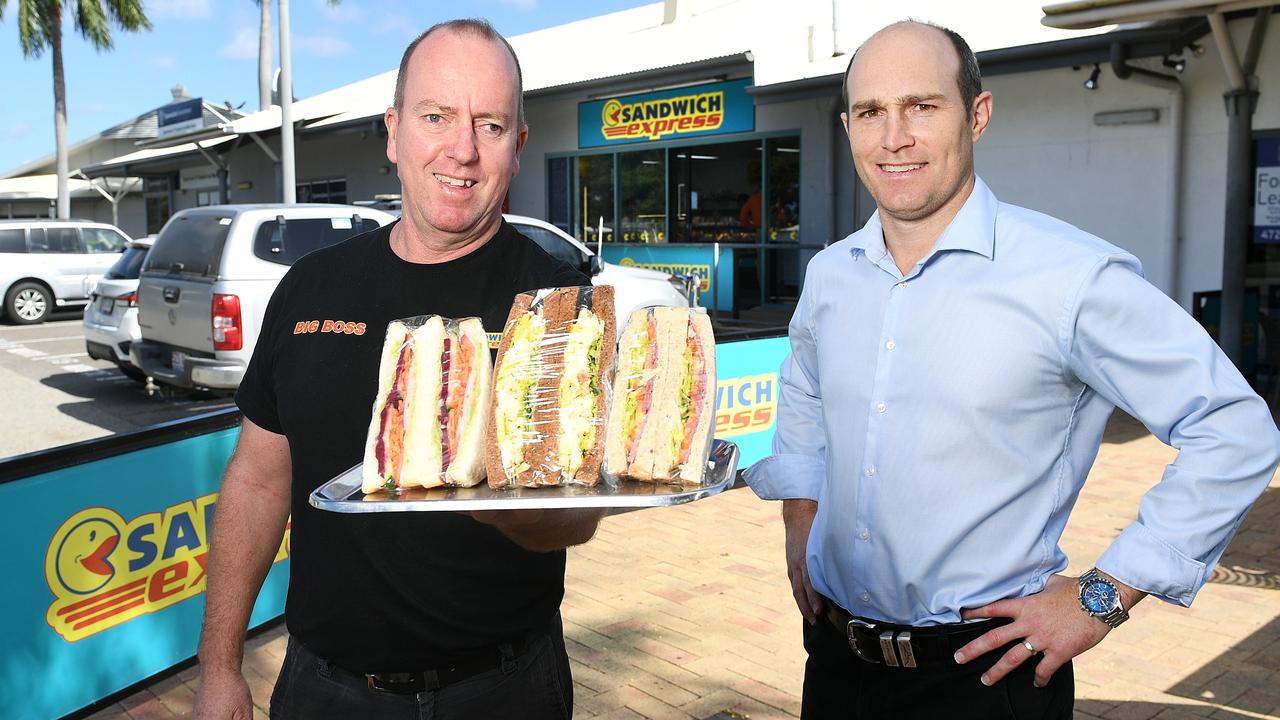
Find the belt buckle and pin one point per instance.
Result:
(382, 683)
(852, 636)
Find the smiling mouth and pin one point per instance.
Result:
(898, 169)
(453, 181)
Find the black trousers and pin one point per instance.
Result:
(537, 687)
(839, 686)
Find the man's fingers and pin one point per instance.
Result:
(999, 608)
(815, 600)
(1046, 668)
(802, 600)
(989, 641)
(1007, 662)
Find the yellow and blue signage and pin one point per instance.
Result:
(713, 109)
(106, 569)
(681, 260)
(747, 394)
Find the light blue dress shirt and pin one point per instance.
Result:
(945, 420)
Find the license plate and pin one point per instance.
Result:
(107, 304)
(176, 360)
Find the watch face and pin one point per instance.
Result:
(1098, 597)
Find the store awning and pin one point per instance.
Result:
(1083, 14)
(45, 187)
(150, 159)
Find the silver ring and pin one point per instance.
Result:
(1030, 648)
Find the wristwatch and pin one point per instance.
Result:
(1100, 598)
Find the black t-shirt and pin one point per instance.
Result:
(402, 591)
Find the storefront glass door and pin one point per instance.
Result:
(594, 197)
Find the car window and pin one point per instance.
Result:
(303, 235)
(129, 265)
(13, 241)
(557, 246)
(189, 244)
(54, 240)
(102, 240)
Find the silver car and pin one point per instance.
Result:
(206, 282)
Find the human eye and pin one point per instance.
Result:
(491, 128)
(433, 118)
(868, 113)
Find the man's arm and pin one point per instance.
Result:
(1137, 348)
(248, 526)
(543, 530)
(794, 473)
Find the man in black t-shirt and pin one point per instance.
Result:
(439, 614)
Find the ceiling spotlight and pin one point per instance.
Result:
(1175, 64)
(1092, 82)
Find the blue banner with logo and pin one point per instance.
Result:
(747, 394)
(1266, 191)
(104, 569)
(681, 260)
(712, 109)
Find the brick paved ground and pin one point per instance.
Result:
(685, 613)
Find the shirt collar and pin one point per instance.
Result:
(972, 229)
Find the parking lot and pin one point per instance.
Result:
(56, 394)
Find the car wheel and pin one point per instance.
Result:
(28, 303)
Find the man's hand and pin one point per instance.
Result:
(797, 518)
(223, 695)
(543, 530)
(1051, 620)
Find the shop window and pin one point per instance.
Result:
(558, 197)
(715, 193)
(783, 156)
(158, 212)
(322, 191)
(595, 197)
(642, 179)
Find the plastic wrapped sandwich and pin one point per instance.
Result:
(428, 417)
(551, 388)
(662, 417)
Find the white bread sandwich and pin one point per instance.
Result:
(551, 388)
(428, 416)
(662, 415)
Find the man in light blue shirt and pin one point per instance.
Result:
(953, 366)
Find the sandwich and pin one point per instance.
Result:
(551, 388)
(428, 416)
(663, 411)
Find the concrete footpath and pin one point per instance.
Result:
(686, 613)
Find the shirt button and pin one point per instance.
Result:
(880, 408)
(902, 284)
(890, 345)
(865, 534)
(871, 471)
(866, 597)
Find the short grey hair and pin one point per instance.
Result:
(969, 77)
(463, 26)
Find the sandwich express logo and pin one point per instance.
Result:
(654, 119)
(104, 570)
(746, 404)
(701, 271)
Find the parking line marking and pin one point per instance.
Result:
(64, 356)
(25, 352)
(78, 368)
(52, 339)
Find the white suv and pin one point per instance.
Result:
(53, 264)
(206, 282)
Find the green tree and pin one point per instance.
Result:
(40, 27)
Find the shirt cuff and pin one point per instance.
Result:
(787, 477)
(1142, 560)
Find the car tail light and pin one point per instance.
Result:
(129, 299)
(228, 333)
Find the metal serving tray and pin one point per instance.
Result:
(342, 494)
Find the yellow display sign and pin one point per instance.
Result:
(104, 571)
(746, 404)
(702, 271)
(658, 118)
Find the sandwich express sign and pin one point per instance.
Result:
(712, 109)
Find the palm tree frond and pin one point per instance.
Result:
(34, 32)
(128, 14)
(91, 21)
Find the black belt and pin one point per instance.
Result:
(406, 683)
(906, 646)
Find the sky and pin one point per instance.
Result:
(211, 48)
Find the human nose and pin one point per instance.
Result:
(462, 146)
(896, 133)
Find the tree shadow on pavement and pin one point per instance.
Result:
(1098, 709)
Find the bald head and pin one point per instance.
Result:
(953, 50)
